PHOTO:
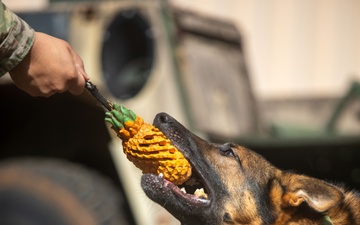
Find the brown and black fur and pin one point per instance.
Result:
(244, 188)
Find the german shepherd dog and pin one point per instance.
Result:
(241, 187)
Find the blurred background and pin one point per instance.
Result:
(280, 77)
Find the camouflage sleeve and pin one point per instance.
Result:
(16, 39)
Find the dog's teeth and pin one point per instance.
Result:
(161, 175)
(200, 193)
(183, 190)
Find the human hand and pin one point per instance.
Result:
(50, 67)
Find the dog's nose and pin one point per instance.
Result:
(162, 118)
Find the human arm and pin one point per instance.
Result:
(51, 66)
(39, 64)
(16, 39)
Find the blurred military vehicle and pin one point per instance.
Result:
(57, 153)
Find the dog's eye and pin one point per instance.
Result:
(226, 150)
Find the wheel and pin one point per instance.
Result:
(53, 192)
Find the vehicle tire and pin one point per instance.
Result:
(54, 192)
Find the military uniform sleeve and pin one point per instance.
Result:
(16, 39)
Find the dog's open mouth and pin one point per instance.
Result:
(195, 193)
(193, 190)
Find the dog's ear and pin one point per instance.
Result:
(318, 194)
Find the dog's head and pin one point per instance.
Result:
(240, 186)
